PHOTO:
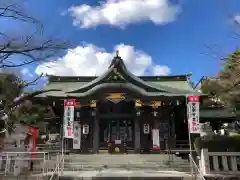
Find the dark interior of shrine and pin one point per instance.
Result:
(181, 126)
(116, 122)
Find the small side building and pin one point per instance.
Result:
(213, 111)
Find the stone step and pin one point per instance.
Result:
(128, 175)
(98, 168)
(126, 162)
(103, 162)
(27, 177)
(124, 159)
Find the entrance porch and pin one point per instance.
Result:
(128, 127)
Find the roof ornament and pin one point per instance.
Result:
(117, 53)
(189, 75)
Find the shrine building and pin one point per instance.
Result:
(120, 110)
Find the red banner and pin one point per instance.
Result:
(195, 99)
(33, 132)
(70, 102)
(69, 105)
(193, 114)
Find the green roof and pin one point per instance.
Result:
(181, 85)
(67, 86)
(117, 76)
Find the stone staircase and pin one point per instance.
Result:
(137, 166)
(104, 165)
(129, 162)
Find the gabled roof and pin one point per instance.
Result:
(118, 77)
(212, 108)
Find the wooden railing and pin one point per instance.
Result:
(226, 163)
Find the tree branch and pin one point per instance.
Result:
(27, 48)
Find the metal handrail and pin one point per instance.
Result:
(57, 167)
(21, 156)
(195, 165)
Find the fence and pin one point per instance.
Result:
(227, 163)
(59, 165)
(22, 163)
(195, 171)
(53, 147)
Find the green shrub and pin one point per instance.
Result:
(217, 143)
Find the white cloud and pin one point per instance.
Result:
(237, 19)
(123, 12)
(25, 72)
(163, 70)
(90, 60)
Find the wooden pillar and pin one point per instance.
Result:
(137, 140)
(172, 140)
(165, 127)
(156, 126)
(95, 131)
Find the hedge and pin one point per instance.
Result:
(218, 143)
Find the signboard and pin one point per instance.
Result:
(85, 129)
(146, 128)
(138, 103)
(156, 103)
(115, 97)
(193, 114)
(68, 118)
(155, 137)
(77, 135)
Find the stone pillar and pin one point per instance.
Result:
(137, 134)
(95, 132)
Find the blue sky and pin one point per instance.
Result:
(171, 42)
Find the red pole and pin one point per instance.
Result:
(34, 136)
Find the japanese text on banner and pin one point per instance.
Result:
(193, 114)
(68, 118)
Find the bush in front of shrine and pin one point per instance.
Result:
(218, 143)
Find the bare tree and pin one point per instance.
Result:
(30, 48)
(227, 60)
(18, 50)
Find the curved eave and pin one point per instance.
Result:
(92, 83)
(120, 86)
(159, 88)
(129, 77)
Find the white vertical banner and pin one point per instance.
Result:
(193, 114)
(68, 118)
(155, 138)
(77, 135)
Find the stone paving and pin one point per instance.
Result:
(122, 173)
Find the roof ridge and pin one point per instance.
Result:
(52, 78)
